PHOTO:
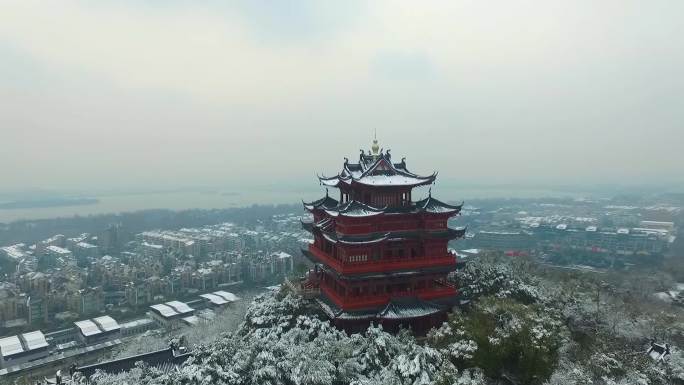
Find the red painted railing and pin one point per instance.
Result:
(351, 303)
(380, 265)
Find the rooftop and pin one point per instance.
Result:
(376, 170)
(22, 343)
(215, 299)
(164, 310)
(180, 307)
(88, 328)
(172, 309)
(227, 296)
(34, 340)
(106, 323)
(10, 346)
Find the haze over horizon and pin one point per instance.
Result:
(143, 95)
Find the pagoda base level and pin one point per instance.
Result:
(404, 312)
(420, 326)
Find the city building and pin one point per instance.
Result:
(90, 300)
(164, 360)
(171, 314)
(14, 252)
(219, 299)
(605, 241)
(85, 249)
(11, 301)
(174, 241)
(137, 294)
(379, 255)
(138, 326)
(502, 240)
(36, 310)
(97, 330)
(22, 348)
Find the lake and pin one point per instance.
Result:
(116, 203)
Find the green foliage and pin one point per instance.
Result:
(511, 339)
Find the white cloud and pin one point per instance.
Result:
(505, 89)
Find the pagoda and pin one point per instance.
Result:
(378, 255)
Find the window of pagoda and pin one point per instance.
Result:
(327, 246)
(354, 254)
(348, 225)
(435, 248)
(344, 196)
(435, 222)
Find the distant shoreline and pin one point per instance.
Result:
(46, 203)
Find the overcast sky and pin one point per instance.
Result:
(177, 93)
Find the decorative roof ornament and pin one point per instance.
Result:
(375, 168)
(375, 148)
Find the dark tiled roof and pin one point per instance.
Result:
(408, 307)
(164, 358)
(324, 203)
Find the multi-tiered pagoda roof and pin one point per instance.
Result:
(354, 208)
(377, 170)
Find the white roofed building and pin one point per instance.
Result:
(97, 330)
(219, 299)
(22, 348)
(170, 314)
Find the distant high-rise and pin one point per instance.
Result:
(380, 256)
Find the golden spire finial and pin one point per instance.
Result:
(375, 148)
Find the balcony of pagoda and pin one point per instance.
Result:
(382, 265)
(387, 223)
(364, 301)
(307, 287)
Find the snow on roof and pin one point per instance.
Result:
(164, 310)
(658, 352)
(657, 223)
(15, 251)
(58, 250)
(34, 340)
(562, 226)
(180, 307)
(500, 232)
(215, 299)
(356, 315)
(135, 323)
(358, 210)
(106, 323)
(389, 180)
(282, 255)
(401, 308)
(88, 328)
(85, 245)
(230, 297)
(650, 231)
(623, 231)
(10, 346)
(329, 182)
(191, 320)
